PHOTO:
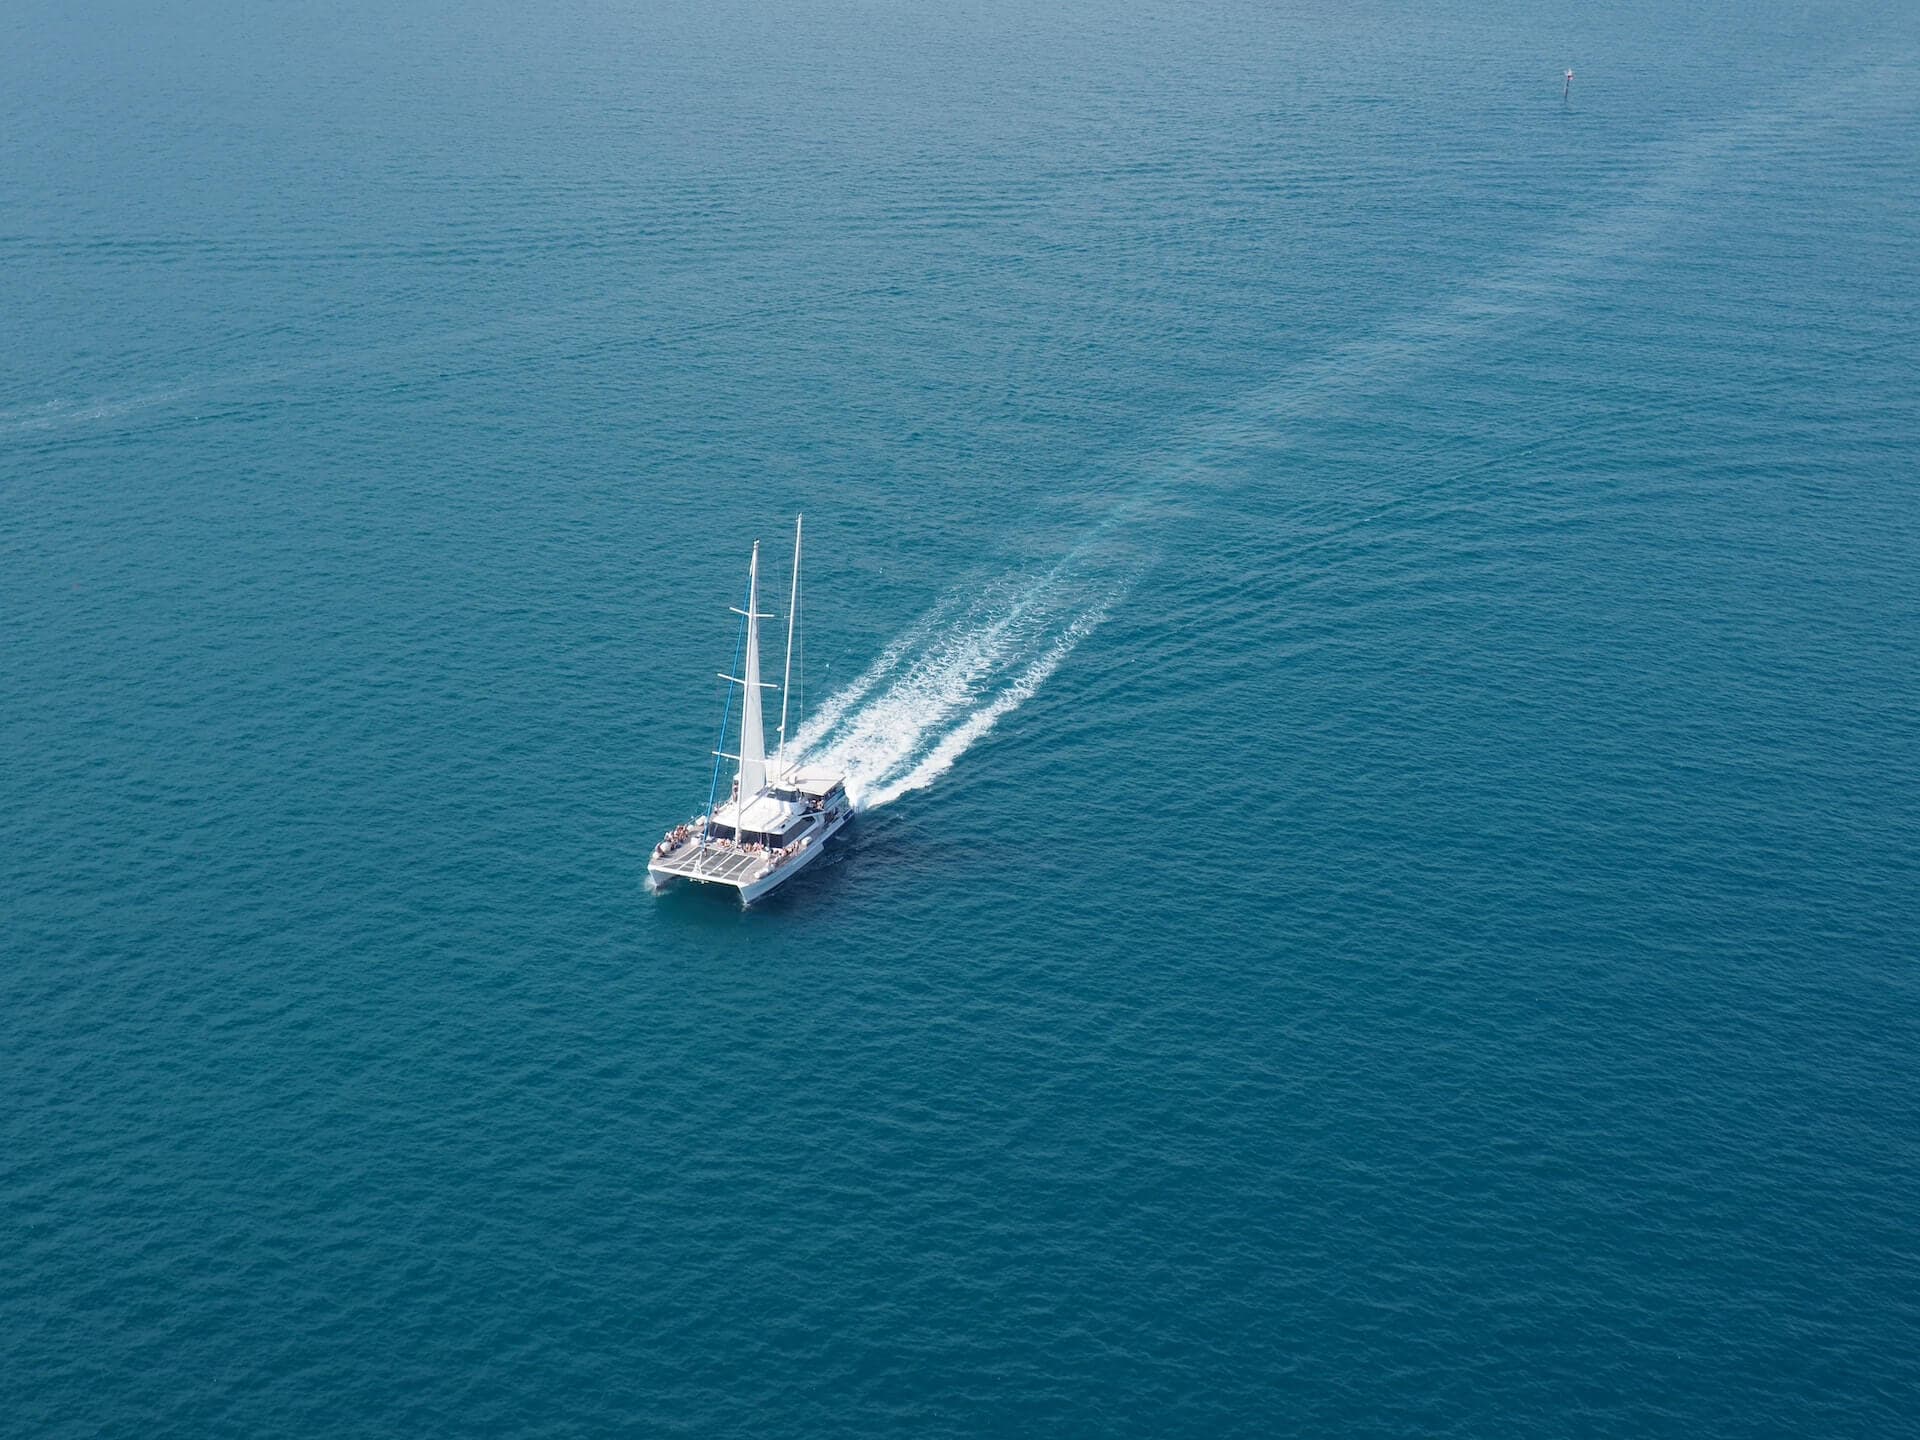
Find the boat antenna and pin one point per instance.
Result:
(793, 613)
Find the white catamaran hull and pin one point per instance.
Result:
(780, 814)
(726, 867)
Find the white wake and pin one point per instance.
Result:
(935, 691)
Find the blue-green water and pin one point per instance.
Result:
(1377, 613)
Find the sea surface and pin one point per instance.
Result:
(1371, 600)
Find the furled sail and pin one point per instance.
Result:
(753, 740)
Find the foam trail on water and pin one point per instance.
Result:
(932, 694)
(1528, 286)
(957, 741)
(944, 684)
(836, 705)
(884, 734)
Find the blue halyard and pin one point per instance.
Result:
(726, 714)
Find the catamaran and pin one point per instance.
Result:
(780, 813)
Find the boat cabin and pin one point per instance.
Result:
(784, 812)
(816, 789)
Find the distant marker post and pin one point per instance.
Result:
(1567, 89)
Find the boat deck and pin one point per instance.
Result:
(719, 864)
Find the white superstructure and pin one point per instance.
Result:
(780, 813)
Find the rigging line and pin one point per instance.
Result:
(726, 714)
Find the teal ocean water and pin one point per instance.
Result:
(1374, 609)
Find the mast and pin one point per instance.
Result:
(752, 774)
(751, 778)
(793, 614)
